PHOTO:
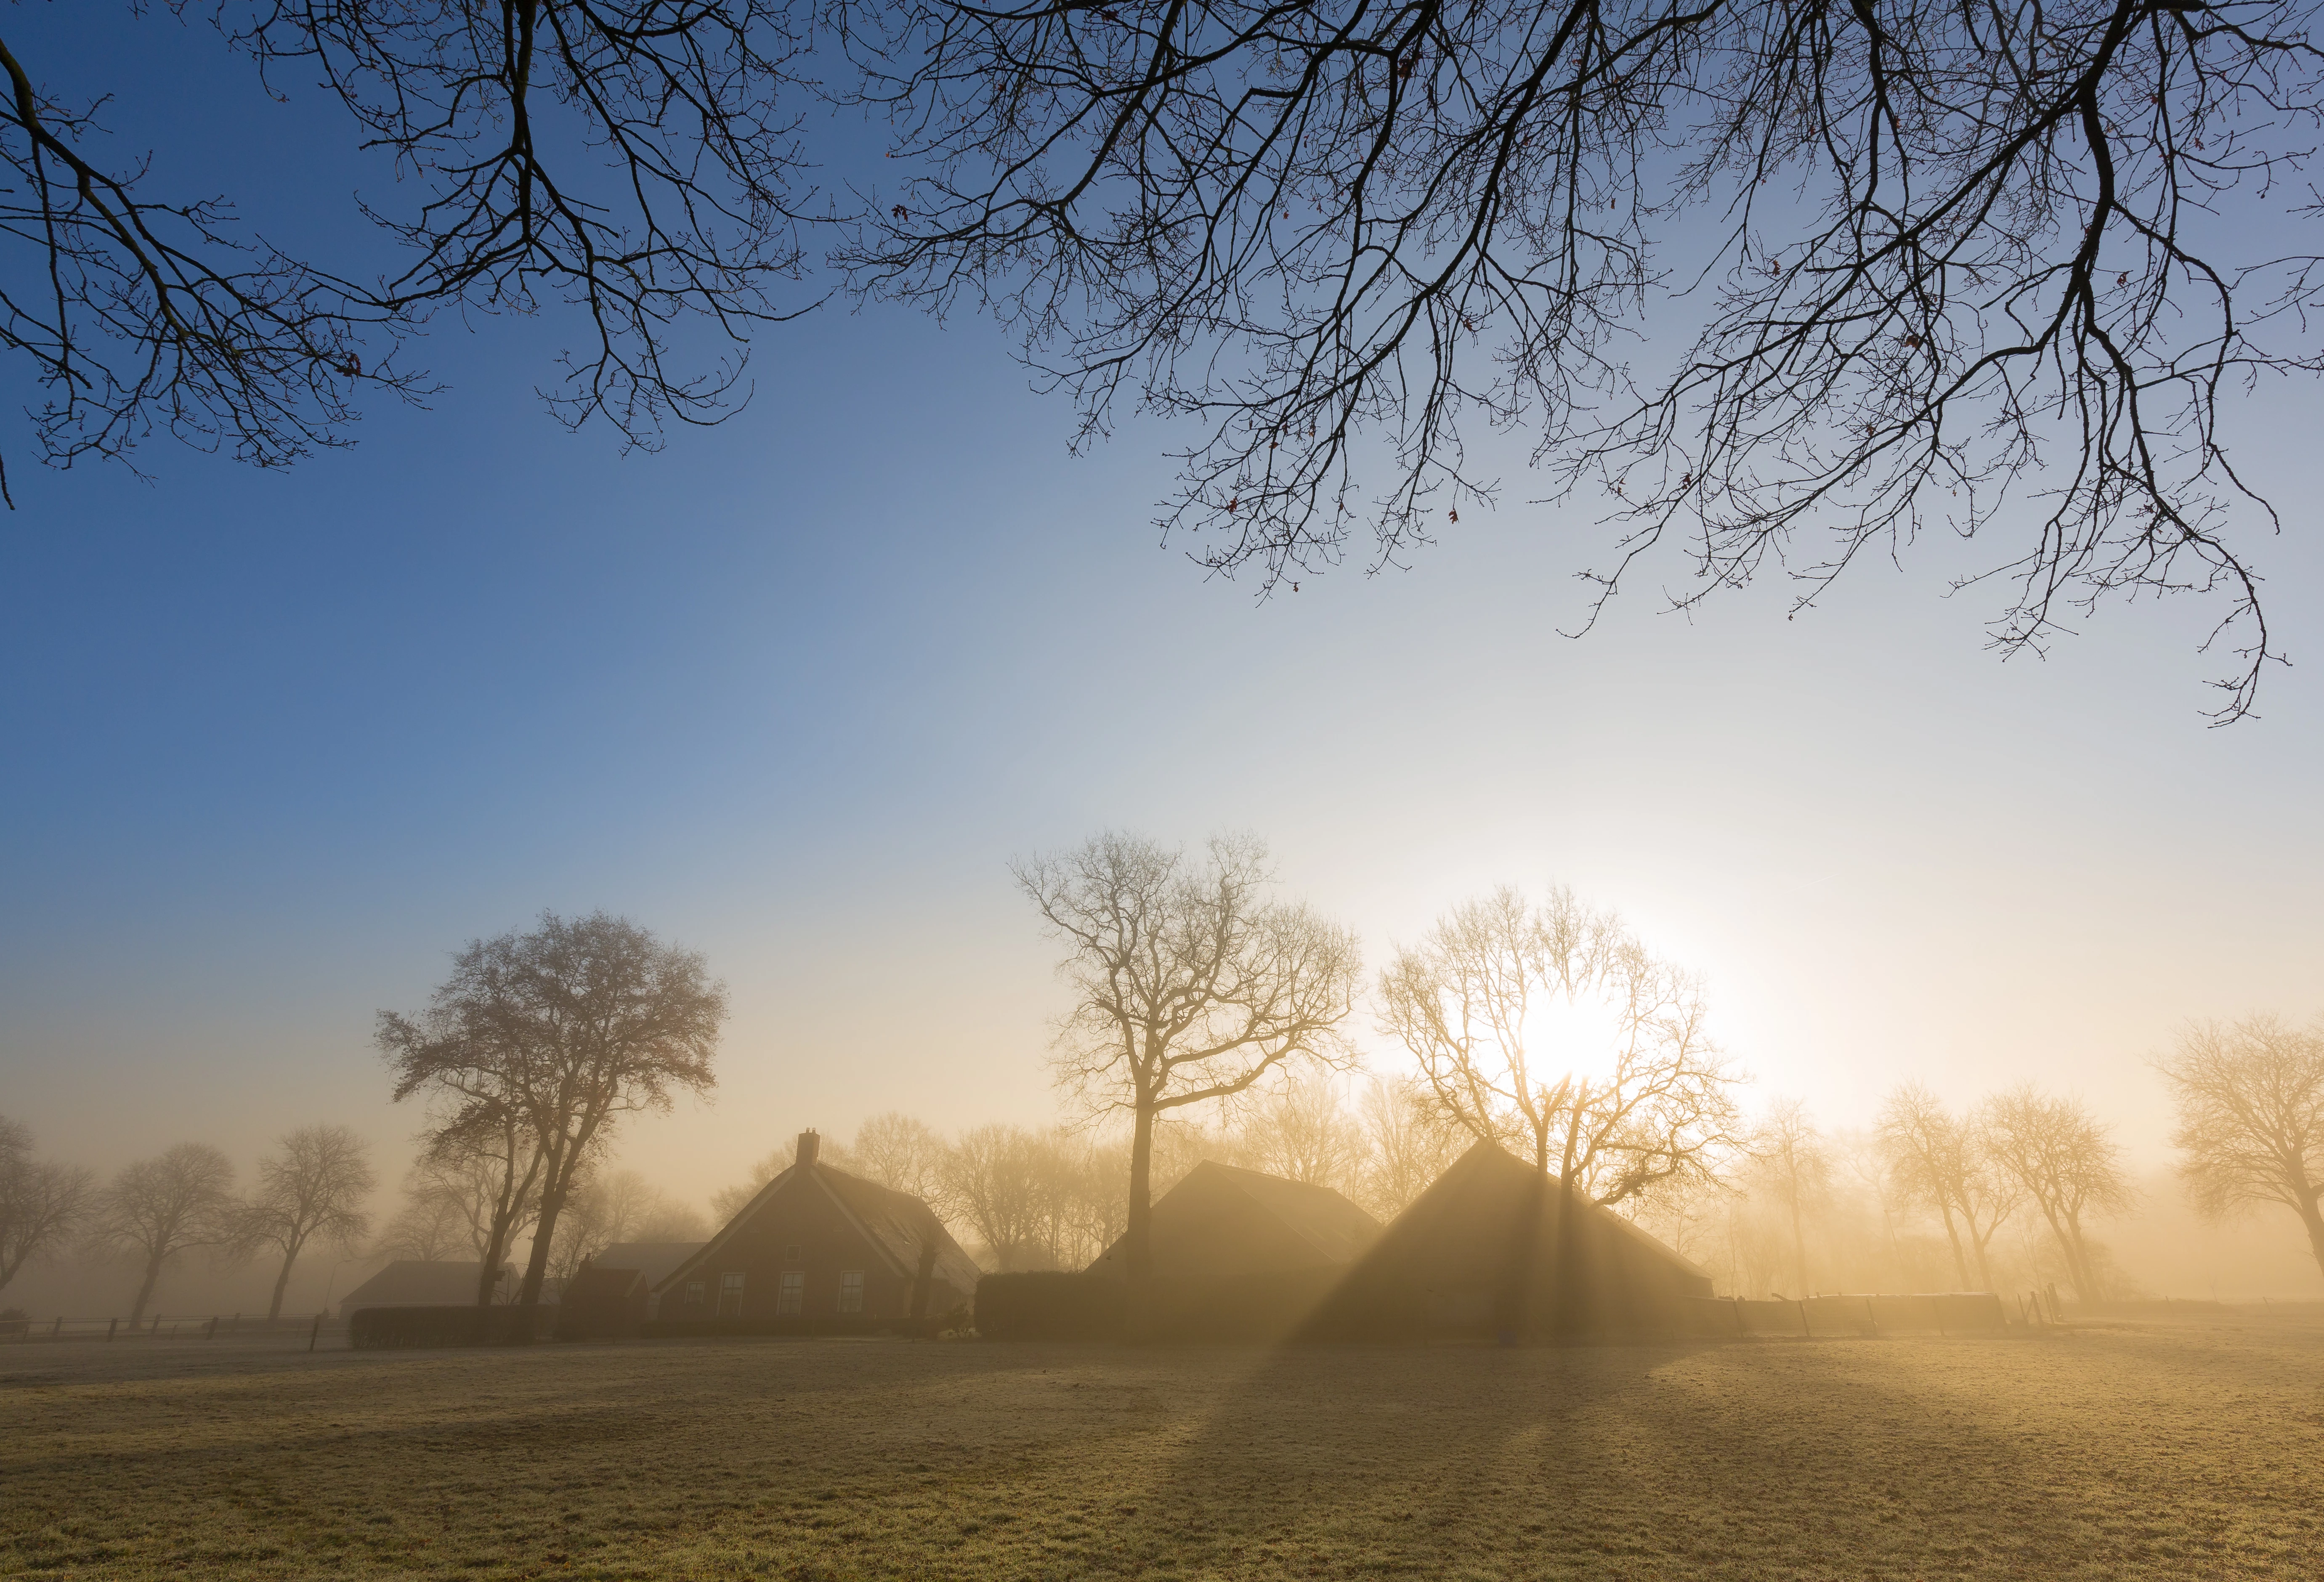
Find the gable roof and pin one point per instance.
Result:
(1487, 1178)
(652, 1259)
(1319, 1216)
(417, 1283)
(1316, 1217)
(898, 1225)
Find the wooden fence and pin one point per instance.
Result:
(304, 1328)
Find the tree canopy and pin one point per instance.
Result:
(1780, 287)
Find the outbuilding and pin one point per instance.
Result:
(1494, 1250)
(819, 1251)
(424, 1282)
(1241, 1254)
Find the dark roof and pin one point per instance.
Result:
(1324, 1218)
(593, 1284)
(652, 1259)
(1314, 1217)
(417, 1282)
(898, 1225)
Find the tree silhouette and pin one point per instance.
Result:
(1909, 267)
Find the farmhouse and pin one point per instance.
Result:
(1492, 1249)
(423, 1283)
(819, 1251)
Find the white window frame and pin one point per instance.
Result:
(851, 1291)
(730, 1289)
(791, 1297)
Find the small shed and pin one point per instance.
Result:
(1495, 1250)
(656, 1260)
(423, 1283)
(601, 1305)
(819, 1251)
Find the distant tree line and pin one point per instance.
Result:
(1209, 1018)
(310, 1193)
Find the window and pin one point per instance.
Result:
(793, 1297)
(730, 1294)
(851, 1291)
(793, 1254)
(693, 1297)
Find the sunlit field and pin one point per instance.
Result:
(2127, 1451)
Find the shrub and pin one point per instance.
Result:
(1048, 1307)
(385, 1327)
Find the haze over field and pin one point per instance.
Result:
(794, 691)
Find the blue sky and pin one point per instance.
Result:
(794, 690)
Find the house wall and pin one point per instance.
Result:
(804, 1217)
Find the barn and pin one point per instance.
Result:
(1241, 1254)
(424, 1282)
(1493, 1250)
(819, 1251)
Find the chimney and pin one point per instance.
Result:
(809, 1144)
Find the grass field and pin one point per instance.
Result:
(2132, 1451)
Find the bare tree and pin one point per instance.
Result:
(2063, 1159)
(41, 1202)
(1921, 251)
(2250, 1098)
(1605, 1110)
(1912, 256)
(898, 1152)
(158, 1208)
(1302, 1131)
(1409, 1140)
(1789, 1155)
(565, 1029)
(1190, 985)
(433, 1225)
(312, 1190)
(1952, 1165)
(626, 160)
(993, 1184)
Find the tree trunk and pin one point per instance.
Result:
(488, 1273)
(2314, 1219)
(535, 1267)
(145, 1290)
(282, 1281)
(1983, 1261)
(1137, 1222)
(1952, 1235)
(1799, 1244)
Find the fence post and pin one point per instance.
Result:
(1740, 1328)
(1871, 1318)
(58, 1327)
(315, 1333)
(1803, 1317)
(111, 1325)
(209, 1331)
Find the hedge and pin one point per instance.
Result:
(375, 1327)
(1048, 1306)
